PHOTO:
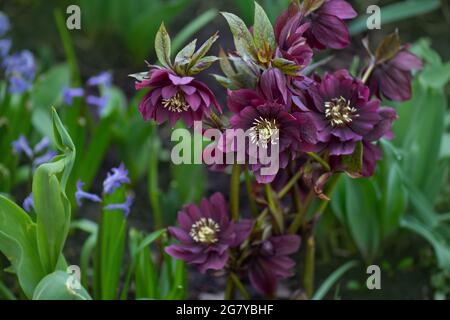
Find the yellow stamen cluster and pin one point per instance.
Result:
(205, 231)
(176, 104)
(263, 132)
(339, 112)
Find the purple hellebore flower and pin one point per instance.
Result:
(21, 145)
(327, 27)
(5, 46)
(341, 110)
(103, 78)
(80, 194)
(272, 87)
(124, 207)
(28, 203)
(4, 24)
(70, 93)
(271, 124)
(206, 233)
(99, 102)
(115, 179)
(269, 262)
(172, 97)
(289, 34)
(20, 69)
(392, 78)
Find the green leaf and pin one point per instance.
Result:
(184, 57)
(203, 64)
(263, 29)
(310, 6)
(388, 48)
(243, 39)
(60, 286)
(332, 279)
(51, 204)
(203, 50)
(288, 67)
(163, 46)
(18, 244)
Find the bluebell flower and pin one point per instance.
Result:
(20, 70)
(115, 179)
(70, 93)
(5, 46)
(103, 78)
(125, 207)
(28, 203)
(80, 194)
(99, 102)
(21, 145)
(42, 145)
(4, 24)
(45, 158)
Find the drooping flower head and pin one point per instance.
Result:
(392, 78)
(28, 203)
(324, 20)
(269, 262)
(102, 79)
(22, 145)
(172, 97)
(115, 179)
(70, 93)
(80, 194)
(124, 207)
(341, 110)
(20, 70)
(289, 33)
(206, 233)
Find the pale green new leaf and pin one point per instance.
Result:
(263, 29)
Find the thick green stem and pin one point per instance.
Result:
(290, 184)
(234, 191)
(368, 73)
(277, 214)
(237, 283)
(251, 198)
(230, 289)
(316, 157)
(308, 273)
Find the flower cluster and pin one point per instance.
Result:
(19, 67)
(321, 124)
(39, 154)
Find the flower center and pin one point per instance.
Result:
(205, 231)
(263, 132)
(339, 112)
(176, 104)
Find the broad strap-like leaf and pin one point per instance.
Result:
(243, 39)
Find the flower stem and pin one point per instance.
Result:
(290, 184)
(316, 157)
(277, 215)
(308, 273)
(229, 290)
(251, 198)
(368, 73)
(234, 191)
(237, 282)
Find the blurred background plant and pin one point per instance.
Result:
(398, 219)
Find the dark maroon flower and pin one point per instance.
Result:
(269, 262)
(272, 87)
(172, 97)
(371, 152)
(392, 78)
(327, 27)
(206, 233)
(268, 125)
(289, 34)
(341, 110)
